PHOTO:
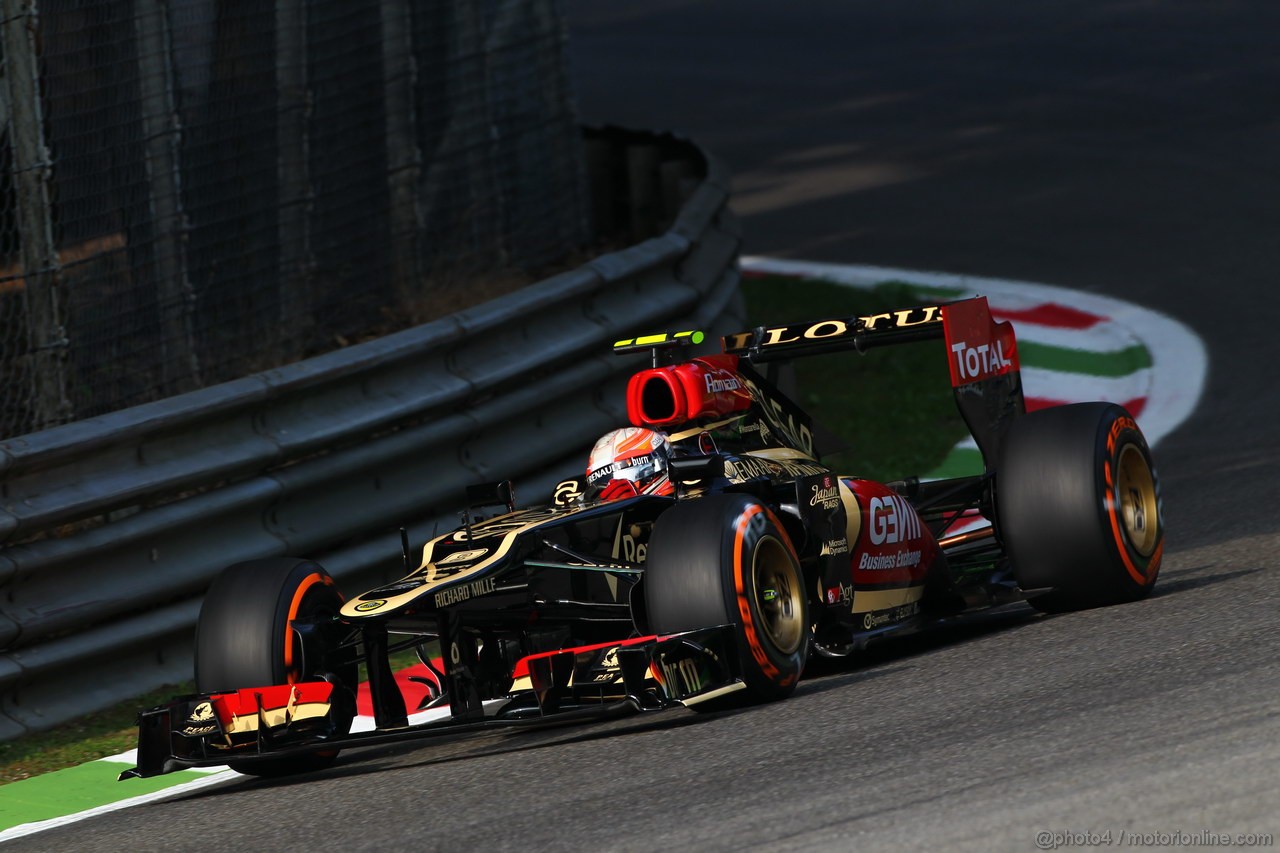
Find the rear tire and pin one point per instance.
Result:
(1078, 507)
(725, 559)
(244, 639)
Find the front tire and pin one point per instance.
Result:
(244, 638)
(725, 559)
(1078, 507)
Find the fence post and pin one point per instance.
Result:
(32, 166)
(293, 224)
(404, 157)
(162, 131)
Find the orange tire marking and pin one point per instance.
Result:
(744, 605)
(1153, 565)
(1113, 507)
(301, 592)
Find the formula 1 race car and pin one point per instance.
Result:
(704, 556)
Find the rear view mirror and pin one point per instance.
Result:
(492, 494)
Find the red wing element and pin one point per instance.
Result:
(272, 707)
(983, 357)
(978, 348)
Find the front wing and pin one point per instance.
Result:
(553, 688)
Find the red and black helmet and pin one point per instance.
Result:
(628, 462)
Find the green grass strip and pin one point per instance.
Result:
(888, 413)
(76, 789)
(923, 291)
(960, 462)
(1115, 363)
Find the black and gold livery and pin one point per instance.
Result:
(715, 594)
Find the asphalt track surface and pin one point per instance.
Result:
(1126, 148)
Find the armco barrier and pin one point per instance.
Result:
(114, 527)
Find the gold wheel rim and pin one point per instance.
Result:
(1136, 498)
(779, 595)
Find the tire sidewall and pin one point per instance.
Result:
(1141, 570)
(244, 632)
(1058, 510)
(699, 574)
(246, 615)
(767, 667)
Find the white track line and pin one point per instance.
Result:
(216, 778)
(1179, 360)
(1074, 387)
(1105, 337)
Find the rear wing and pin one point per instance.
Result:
(770, 343)
(982, 355)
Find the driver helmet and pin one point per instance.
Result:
(628, 462)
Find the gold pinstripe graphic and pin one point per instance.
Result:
(277, 717)
(853, 515)
(867, 600)
(430, 574)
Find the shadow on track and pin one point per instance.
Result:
(887, 657)
(1181, 583)
(896, 649)
(378, 759)
(878, 661)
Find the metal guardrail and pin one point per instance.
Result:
(113, 527)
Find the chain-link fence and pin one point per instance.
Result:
(191, 190)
